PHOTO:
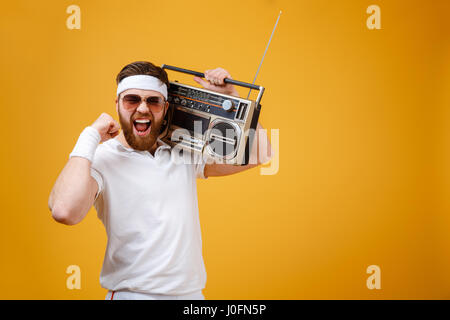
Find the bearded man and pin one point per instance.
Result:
(146, 199)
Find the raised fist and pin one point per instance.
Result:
(106, 126)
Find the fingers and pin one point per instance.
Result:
(204, 83)
(215, 81)
(114, 127)
(217, 76)
(113, 135)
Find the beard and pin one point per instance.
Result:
(137, 142)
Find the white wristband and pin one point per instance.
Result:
(87, 144)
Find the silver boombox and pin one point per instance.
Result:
(218, 126)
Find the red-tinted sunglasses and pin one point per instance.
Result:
(132, 101)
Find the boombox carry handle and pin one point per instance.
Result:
(226, 80)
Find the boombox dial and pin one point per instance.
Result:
(227, 105)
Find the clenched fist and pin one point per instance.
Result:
(106, 126)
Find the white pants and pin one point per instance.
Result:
(130, 295)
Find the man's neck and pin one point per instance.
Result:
(123, 141)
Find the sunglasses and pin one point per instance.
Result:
(132, 101)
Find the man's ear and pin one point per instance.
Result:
(117, 106)
(166, 107)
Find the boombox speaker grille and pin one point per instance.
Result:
(223, 139)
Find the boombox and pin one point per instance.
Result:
(217, 126)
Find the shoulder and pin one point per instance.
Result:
(105, 152)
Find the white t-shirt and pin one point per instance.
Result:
(148, 205)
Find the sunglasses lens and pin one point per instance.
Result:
(155, 100)
(155, 103)
(131, 101)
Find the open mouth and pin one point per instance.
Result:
(142, 126)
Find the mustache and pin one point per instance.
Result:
(141, 115)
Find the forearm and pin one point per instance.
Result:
(73, 193)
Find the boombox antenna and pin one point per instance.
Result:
(267, 47)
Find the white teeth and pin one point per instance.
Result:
(142, 121)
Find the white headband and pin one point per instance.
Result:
(144, 82)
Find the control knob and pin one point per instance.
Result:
(227, 105)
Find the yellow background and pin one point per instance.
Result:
(364, 142)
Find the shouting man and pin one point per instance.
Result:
(146, 200)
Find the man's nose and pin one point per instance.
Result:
(143, 108)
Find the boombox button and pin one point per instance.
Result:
(227, 105)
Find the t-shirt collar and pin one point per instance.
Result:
(161, 146)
